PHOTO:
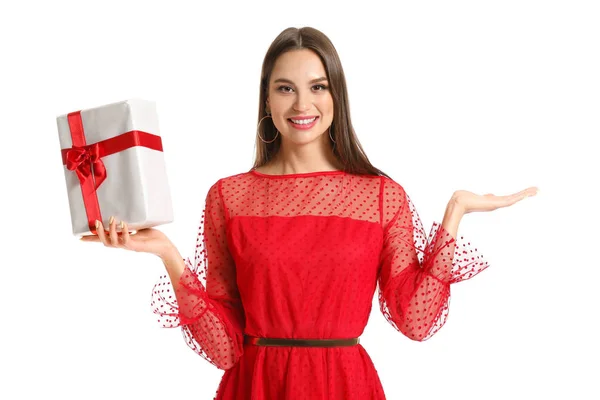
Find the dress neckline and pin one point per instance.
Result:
(298, 175)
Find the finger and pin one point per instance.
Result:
(530, 191)
(114, 237)
(102, 234)
(503, 201)
(523, 194)
(90, 238)
(125, 238)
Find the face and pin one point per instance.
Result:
(298, 89)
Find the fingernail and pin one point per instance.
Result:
(110, 221)
(97, 224)
(122, 225)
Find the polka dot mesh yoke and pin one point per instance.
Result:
(300, 256)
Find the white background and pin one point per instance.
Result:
(499, 96)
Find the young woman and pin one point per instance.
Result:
(289, 254)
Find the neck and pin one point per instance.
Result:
(305, 158)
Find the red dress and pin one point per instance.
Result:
(300, 256)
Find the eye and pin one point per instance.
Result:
(287, 89)
(282, 89)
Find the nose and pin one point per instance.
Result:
(302, 102)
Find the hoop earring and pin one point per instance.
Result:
(258, 134)
(330, 133)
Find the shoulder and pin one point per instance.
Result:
(229, 179)
(393, 199)
(229, 185)
(391, 188)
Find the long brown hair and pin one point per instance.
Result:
(347, 149)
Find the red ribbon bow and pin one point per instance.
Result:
(86, 162)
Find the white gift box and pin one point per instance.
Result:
(127, 146)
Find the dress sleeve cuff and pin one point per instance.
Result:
(181, 308)
(452, 260)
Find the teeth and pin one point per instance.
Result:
(303, 121)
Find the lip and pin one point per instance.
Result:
(304, 127)
(302, 117)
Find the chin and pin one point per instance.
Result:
(299, 138)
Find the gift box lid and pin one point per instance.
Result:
(110, 120)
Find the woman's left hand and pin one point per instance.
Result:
(470, 202)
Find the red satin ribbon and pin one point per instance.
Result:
(86, 160)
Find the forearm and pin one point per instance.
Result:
(430, 280)
(415, 278)
(212, 329)
(174, 265)
(192, 301)
(452, 217)
(439, 258)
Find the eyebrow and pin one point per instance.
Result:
(289, 81)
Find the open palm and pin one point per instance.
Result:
(471, 202)
(147, 240)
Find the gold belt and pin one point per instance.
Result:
(259, 341)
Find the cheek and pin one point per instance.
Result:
(326, 105)
(281, 106)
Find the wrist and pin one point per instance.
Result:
(455, 206)
(452, 217)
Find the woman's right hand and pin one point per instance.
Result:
(147, 240)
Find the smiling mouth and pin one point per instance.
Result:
(303, 119)
(304, 123)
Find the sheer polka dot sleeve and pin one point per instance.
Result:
(416, 270)
(206, 304)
